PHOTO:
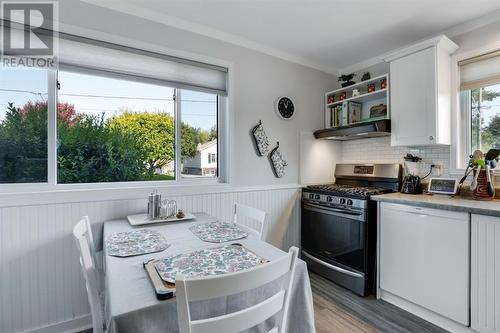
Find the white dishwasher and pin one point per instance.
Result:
(425, 258)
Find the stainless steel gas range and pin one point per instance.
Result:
(339, 223)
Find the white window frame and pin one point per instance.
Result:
(460, 104)
(224, 119)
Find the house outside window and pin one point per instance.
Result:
(204, 163)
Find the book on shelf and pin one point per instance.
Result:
(345, 114)
(354, 110)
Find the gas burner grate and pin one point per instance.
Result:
(348, 189)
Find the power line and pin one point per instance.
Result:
(108, 96)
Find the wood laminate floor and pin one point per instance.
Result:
(337, 310)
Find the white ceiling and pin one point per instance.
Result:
(329, 35)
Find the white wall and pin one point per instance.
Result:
(258, 80)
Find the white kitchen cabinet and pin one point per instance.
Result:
(420, 93)
(424, 258)
(485, 273)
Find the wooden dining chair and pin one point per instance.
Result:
(242, 213)
(82, 234)
(203, 288)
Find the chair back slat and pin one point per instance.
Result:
(232, 283)
(242, 212)
(209, 287)
(241, 320)
(81, 234)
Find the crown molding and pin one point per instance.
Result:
(473, 24)
(207, 31)
(454, 31)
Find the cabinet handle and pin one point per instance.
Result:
(431, 137)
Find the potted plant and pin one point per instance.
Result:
(347, 80)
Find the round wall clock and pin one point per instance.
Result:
(284, 108)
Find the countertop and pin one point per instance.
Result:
(459, 204)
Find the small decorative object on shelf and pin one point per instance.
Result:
(371, 87)
(330, 99)
(347, 80)
(366, 76)
(278, 162)
(260, 139)
(355, 92)
(378, 111)
(383, 83)
(343, 96)
(180, 214)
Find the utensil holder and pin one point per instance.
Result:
(481, 191)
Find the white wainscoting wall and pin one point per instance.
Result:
(41, 286)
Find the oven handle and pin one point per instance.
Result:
(336, 268)
(331, 211)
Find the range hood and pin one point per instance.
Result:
(369, 129)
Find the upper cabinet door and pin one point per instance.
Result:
(421, 93)
(413, 99)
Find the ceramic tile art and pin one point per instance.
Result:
(218, 232)
(212, 261)
(136, 242)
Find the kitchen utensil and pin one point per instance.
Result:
(494, 163)
(492, 154)
(477, 155)
(489, 185)
(473, 185)
(468, 170)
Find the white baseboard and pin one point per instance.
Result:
(423, 313)
(71, 326)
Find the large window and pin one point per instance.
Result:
(109, 129)
(112, 113)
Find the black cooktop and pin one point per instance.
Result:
(348, 190)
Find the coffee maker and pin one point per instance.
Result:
(411, 181)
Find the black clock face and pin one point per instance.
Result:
(286, 107)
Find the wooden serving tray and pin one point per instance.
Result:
(143, 219)
(163, 290)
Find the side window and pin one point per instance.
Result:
(23, 125)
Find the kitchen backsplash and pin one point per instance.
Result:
(379, 150)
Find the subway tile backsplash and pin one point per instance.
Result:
(379, 150)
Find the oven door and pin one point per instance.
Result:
(335, 236)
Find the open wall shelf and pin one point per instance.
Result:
(356, 109)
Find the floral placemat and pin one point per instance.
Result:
(218, 232)
(213, 261)
(135, 242)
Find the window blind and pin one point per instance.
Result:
(480, 71)
(137, 64)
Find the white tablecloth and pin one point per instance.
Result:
(131, 304)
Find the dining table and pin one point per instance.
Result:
(131, 305)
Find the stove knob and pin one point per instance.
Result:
(311, 196)
(342, 201)
(349, 202)
(317, 197)
(329, 199)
